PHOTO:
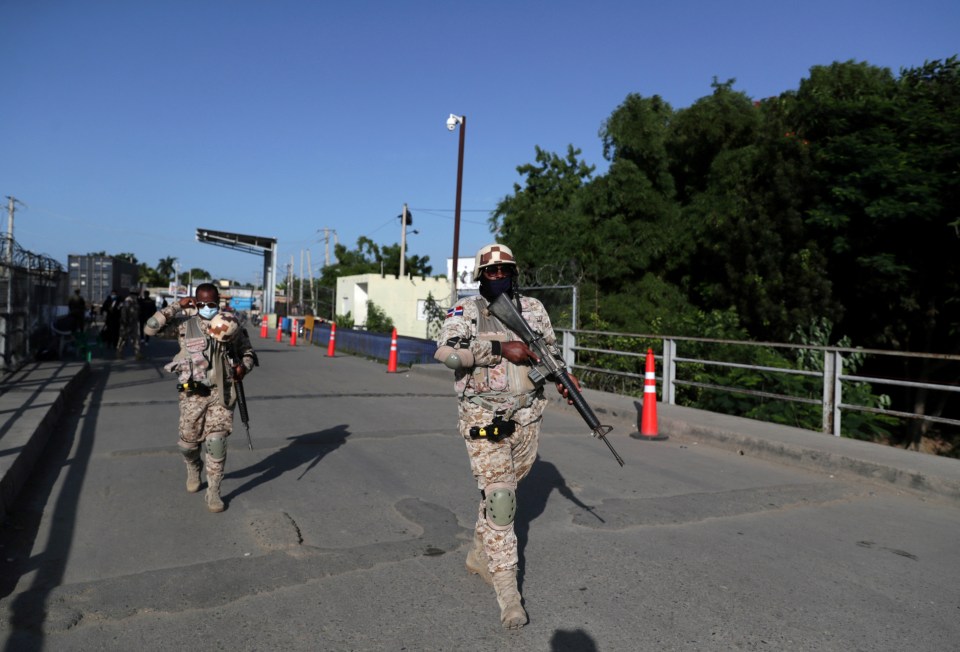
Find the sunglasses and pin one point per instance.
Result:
(208, 304)
(490, 270)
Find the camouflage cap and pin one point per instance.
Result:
(223, 326)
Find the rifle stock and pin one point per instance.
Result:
(549, 367)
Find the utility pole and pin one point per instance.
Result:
(326, 238)
(11, 209)
(313, 298)
(300, 299)
(403, 239)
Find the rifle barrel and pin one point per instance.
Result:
(244, 416)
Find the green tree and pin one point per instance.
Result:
(435, 316)
(723, 121)
(196, 275)
(150, 277)
(541, 222)
(377, 319)
(370, 258)
(166, 267)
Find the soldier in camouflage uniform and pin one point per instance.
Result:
(214, 352)
(496, 399)
(129, 325)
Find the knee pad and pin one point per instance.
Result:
(216, 447)
(501, 505)
(191, 454)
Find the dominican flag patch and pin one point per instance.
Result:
(455, 312)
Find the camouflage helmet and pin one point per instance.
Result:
(492, 254)
(223, 326)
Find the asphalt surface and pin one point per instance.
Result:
(347, 524)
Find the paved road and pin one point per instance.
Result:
(347, 525)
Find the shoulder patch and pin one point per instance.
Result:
(455, 312)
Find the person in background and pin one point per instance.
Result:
(111, 319)
(215, 353)
(147, 307)
(77, 308)
(129, 325)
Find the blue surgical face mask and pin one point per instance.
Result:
(208, 313)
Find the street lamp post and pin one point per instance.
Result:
(452, 123)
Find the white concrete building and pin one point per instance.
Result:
(401, 299)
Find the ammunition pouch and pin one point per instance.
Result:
(193, 388)
(496, 431)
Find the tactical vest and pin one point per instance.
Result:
(506, 378)
(204, 360)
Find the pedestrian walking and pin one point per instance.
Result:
(500, 410)
(215, 352)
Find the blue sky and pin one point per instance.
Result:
(126, 125)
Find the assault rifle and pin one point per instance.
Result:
(242, 404)
(549, 368)
(241, 396)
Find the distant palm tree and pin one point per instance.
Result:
(167, 267)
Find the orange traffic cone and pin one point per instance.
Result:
(392, 360)
(263, 327)
(279, 329)
(648, 420)
(332, 344)
(293, 333)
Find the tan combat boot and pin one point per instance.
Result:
(512, 615)
(214, 502)
(193, 475)
(477, 560)
(191, 458)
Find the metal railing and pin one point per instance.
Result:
(830, 374)
(32, 291)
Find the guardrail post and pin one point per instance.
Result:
(832, 391)
(569, 344)
(669, 371)
(837, 393)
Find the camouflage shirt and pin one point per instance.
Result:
(470, 325)
(238, 349)
(129, 311)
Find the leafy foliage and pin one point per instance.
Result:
(370, 258)
(829, 207)
(377, 319)
(435, 316)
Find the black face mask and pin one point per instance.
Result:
(490, 289)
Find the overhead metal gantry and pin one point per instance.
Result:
(251, 244)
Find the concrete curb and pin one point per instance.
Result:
(929, 475)
(34, 399)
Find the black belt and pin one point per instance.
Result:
(194, 387)
(496, 431)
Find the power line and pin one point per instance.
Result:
(446, 217)
(462, 210)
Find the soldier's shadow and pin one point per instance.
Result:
(306, 449)
(532, 496)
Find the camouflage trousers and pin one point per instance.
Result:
(202, 417)
(507, 461)
(128, 333)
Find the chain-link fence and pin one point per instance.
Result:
(33, 290)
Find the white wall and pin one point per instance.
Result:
(398, 298)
